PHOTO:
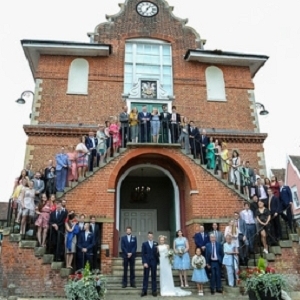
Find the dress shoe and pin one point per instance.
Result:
(220, 291)
(124, 286)
(212, 292)
(133, 285)
(154, 294)
(143, 294)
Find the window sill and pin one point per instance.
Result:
(217, 100)
(77, 93)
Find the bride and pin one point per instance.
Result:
(166, 281)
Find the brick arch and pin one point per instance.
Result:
(175, 157)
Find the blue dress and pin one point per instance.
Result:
(199, 275)
(181, 262)
(155, 124)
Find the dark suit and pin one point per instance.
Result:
(93, 152)
(164, 118)
(204, 141)
(128, 247)
(57, 236)
(195, 141)
(258, 193)
(243, 244)
(95, 230)
(124, 129)
(87, 243)
(286, 200)
(219, 236)
(201, 241)
(274, 207)
(150, 257)
(144, 123)
(174, 127)
(215, 263)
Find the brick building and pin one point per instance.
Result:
(79, 85)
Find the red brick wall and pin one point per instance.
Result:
(32, 278)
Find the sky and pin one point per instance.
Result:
(269, 27)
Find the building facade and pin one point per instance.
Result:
(144, 55)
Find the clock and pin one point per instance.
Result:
(147, 9)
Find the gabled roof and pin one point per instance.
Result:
(34, 48)
(3, 210)
(295, 161)
(253, 61)
(279, 173)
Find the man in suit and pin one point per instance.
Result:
(29, 172)
(81, 222)
(91, 143)
(128, 246)
(124, 130)
(164, 118)
(243, 238)
(150, 261)
(57, 225)
(39, 187)
(275, 209)
(286, 201)
(218, 234)
(194, 138)
(144, 123)
(249, 181)
(62, 164)
(249, 218)
(48, 170)
(262, 192)
(85, 246)
(174, 120)
(204, 141)
(95, 230)
(201, 239)
(214, 257)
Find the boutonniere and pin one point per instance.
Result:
(155, 244)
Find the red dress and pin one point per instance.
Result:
(275, 189)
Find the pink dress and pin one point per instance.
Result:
(72, 173)
(44, 217)
(115, 129)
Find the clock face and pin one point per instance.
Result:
(147, 9)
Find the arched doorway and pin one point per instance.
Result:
(157, 211)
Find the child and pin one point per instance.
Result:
(199, 274)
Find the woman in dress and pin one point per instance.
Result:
(52, 202)
(133, 123)
(109, 140)
(182, 260)
(274, 185)
(218, 166)
(245, 179)
(210, 154)
(233, 231)
(82, 158)
(114, 130)
(224, 160)
(267, 182)
(199, 274)
(230, 260)
(263, 217)
(166, 281)
(72, 172)
(235, 177)
(23, 175)
(184, 135)
(72, 229)
(27, 205)
(155, 124)
(43, 211)
(101, 147)
(17, 196)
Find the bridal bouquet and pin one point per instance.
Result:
(180, 251)
(199, 262)
(170, 256)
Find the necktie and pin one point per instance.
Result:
(213, 251)
(151, 244)
(128, 238)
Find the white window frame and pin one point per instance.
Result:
(215, 80)
(295, 190)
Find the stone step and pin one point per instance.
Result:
(65, 272)
(27, 244)
(15, 237)
(270, 256)
(276, 250)
(294, 237)
(119, 272)
(286, 244)
(55, 265)
(48, 258)
(39, 251)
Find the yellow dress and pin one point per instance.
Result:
(224, 161)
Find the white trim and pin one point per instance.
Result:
(150, 101)
(147, 41)
(168, 174)
(289, 160)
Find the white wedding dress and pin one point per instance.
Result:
(166, 281)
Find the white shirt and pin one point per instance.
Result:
(247, 216)
(93, 141)
(263, 194)
(174, 117)
(151, 244)
(128, 238)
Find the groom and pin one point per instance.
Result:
(150, 260)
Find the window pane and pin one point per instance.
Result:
(168, 89)
(167, 80)
(128, 57)
(128, 68)
(127, 87)
(167, 70)
(141, 58)
(128, 78)
(166, 50)
(140, 48)
(154, 60)
(167, 60)
(128, 48)
(155, 49)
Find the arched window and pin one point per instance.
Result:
(78, 77)
(215, 84)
